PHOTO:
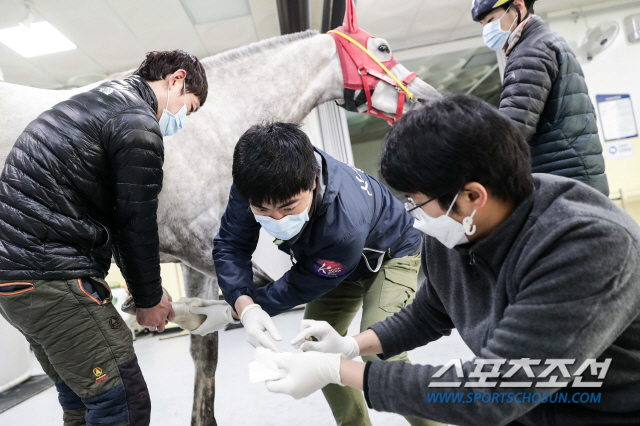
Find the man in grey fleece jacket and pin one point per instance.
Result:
(541, 268)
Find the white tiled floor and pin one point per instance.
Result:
(168, 370)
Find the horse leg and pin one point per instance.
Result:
(204, 351)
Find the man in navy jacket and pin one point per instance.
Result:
(351, 244)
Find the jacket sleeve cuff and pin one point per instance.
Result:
(243, 291)
(377, 377)
(146, 302)
(365, 387)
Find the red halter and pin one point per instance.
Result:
(362, 72)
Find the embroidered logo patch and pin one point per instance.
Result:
(100, 376)
(329, 269)
(114, 323)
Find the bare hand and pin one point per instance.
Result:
(156, 318)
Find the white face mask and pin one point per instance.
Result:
(286, 228)
(444, 228)
(494, 36)
(171, 123)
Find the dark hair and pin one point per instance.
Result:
(158, 65)
(438, 149)
(273, 162)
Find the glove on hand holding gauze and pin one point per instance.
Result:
(185, 318)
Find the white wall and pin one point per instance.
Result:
(14, 353)
(614, 71)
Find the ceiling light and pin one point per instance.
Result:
(40, 38)
(206, 11)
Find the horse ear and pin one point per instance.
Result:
(350, 18)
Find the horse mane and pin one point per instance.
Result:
(215, 61)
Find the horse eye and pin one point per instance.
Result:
(383, 48)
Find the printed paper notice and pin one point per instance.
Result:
(617, 117)
(618, 150)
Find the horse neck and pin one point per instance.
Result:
(283, 83)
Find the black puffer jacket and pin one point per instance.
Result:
(546, 95)
(83, 179)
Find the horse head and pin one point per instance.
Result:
(366, 62)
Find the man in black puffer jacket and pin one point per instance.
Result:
(544, 92)
(80, 184)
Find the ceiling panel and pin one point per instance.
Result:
(391, 20)
(224, 35)
(12, 13)
(58, 65)
(164, 25)
(207, 11)
(265, 18)
(96, 29)
(429, 25)
(19, 70)
(411, 22)
(114, 35)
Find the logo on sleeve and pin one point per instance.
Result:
(329, 269)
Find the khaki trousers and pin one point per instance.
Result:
(380, 294)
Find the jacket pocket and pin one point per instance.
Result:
(398, 290)
(10, 289)
(15, 302)
(98, 225)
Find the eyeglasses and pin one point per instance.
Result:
(411, 206)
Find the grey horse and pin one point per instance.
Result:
(282, 78)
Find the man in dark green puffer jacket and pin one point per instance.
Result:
(544, 92)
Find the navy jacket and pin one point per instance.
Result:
(355, 211)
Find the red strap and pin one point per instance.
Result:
(374, 112)
(401, 99)
(364, 72)
(383, 77)
(402, 95)
(409, 78)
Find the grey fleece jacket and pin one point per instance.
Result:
(560, 278)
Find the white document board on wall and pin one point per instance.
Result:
(617, 117)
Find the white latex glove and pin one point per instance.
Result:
(217, 316)
(329, 340)
(305, 373)
(256, 322)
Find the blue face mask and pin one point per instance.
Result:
(171, 123)
(493, 35)
(287, 227)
